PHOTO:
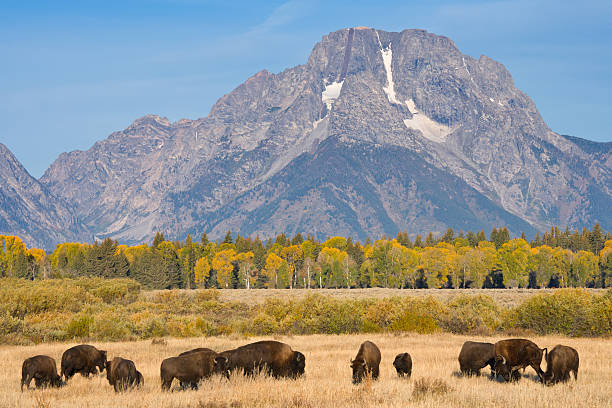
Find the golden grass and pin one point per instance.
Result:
(327, 382)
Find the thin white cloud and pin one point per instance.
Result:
(284, 15)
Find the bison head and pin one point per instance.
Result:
(501, 368)
(57, 382)
(139, 379)
(101, 361)
(399, 361)
(359, 370)
(221, 365)
(299, 364)
(107, 365)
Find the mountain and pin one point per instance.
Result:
(377, 133)
(30, 211)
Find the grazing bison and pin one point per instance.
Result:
(513, 354)
(82, 359)
(366, 362)
(191, 368)
(560, 361)
(272, 357)
(122, 374)
(43, 370)
(403, 365)
(474, 356)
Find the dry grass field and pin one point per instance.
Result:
(327, 382)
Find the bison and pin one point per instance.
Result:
(476, 355)
(560, 361)
(272, 357)
(191, 368)
(122, 374)
(403, 365)
(82, 359)
(513, 354)
(366, 362)
(43, 370)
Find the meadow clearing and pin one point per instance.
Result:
(435, 381)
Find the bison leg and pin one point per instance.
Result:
(575, 374)
(539, 371)
(375, 373)
(27, 380)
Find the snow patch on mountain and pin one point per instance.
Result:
(429, 128)
(387, 56)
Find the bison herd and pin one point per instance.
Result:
(279, 360)
(507, 357)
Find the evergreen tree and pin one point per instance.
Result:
(448, 236)
(430, 240)
(472, 239)
(159, 238)
(418, 242)
(297, 239)
(228, 238)
(596, 239)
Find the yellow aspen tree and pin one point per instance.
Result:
(201, 272)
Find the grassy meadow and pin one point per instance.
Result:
(327, 382)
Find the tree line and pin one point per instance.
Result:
(557, 258)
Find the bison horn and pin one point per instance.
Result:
(299, 357)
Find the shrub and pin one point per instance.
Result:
(418, 315)
(429, 386)
(79, 326)
(565, 311)
(470, 314)
(117, 291)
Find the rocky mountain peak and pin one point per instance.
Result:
(377, 132)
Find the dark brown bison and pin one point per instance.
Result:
(272, 357)
(560, 361)
(122, 374)
(513, 354)
(191, 368)
(474, 356)
(403, 365)
(82, 359)
(366, 362)
(43, 370)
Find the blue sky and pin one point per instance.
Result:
(73, 72)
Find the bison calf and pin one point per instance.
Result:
(43, 370)
(366, 362)
(559, 363)
(191, 368)
(82, 359)
(475, 356)
(122, 374)
(403, 365)
(272, 357)
(513, 354)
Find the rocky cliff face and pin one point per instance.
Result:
(30, 211)
(378, 132)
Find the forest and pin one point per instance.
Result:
(557, 258)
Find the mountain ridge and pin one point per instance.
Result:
(412, 94)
